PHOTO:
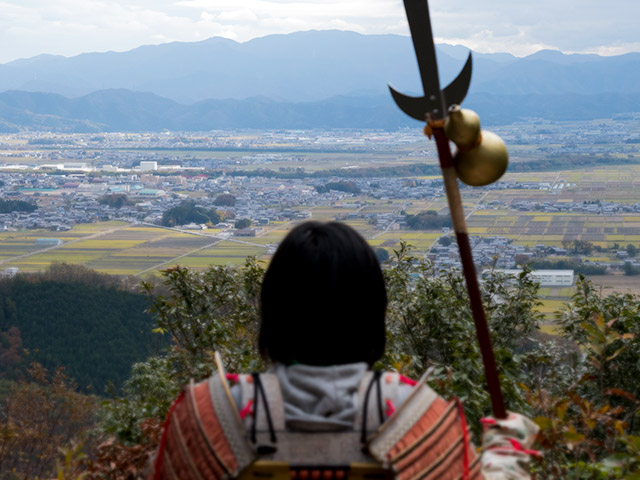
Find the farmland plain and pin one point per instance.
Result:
(132, 248)
(137, 249)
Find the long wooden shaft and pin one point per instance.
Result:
(469, 271)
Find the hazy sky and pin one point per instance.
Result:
(69, 27)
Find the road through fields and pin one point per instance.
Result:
(88, 237)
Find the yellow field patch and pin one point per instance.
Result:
(149, 252)
(527, 243)
(97, 227)
(148, 229)
(417, 235)
(196, 262)
(100, 244)
(374, 242)
(550, 329)
(485, 212)
(550, 306)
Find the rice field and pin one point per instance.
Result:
(123, 249)
(120, 248)
(530, 228)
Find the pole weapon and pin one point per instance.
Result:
(432, 108)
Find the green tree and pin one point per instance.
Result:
(428, 220)
(586, 395)
(8, 206)
(629, 269)
(430, 324)
(341, 186)
(580, 385)
(243, 223)
(115, 200)
(225, 200)
(97, 340)
(445, 240)
(578, 247)
(202, 312)
(382, 254)
(39, 416)
(188, 212)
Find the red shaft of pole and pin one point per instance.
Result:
(469, 270)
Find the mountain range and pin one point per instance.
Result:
(300, 80)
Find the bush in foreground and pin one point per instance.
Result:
(580, 385)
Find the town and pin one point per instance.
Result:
(270, 178)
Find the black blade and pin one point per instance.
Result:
(435, 102)
(456, 91)
(422, 36)
(415, 107)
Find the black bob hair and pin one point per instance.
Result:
(323, 298)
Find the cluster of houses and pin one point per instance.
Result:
(498, 252)
(595, 207)
(73, 174)
(67, 199)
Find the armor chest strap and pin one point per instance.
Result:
(422, 439)
(337, 455)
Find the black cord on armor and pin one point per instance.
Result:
(259, 386)
(255, 407)
(376, 378)
(379, 392)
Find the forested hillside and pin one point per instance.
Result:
(80, 320)
(578, 384)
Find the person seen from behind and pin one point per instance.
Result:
(321, 411)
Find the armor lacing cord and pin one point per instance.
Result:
(163, 440)
(379, 392)
(255, 407)
(465, 440)
(376, 378)
(391, 408)
(259, 389)
(247, 409)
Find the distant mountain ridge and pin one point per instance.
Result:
(124, 110)
(301, 80)
(310, 66)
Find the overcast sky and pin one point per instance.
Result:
(69, 27)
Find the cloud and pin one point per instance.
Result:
(235, 16)
(566, 25)
(69, 27)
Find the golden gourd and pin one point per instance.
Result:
(462, 126)
(483, 164)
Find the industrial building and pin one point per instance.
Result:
(547, 278)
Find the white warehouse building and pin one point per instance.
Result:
(547, 278)
(148, 166)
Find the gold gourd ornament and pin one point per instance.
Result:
(462, 126)
(481, 157)
(483, 164)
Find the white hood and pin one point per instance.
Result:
(320, 398)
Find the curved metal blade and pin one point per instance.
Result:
(455, 92)
(415, 107)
